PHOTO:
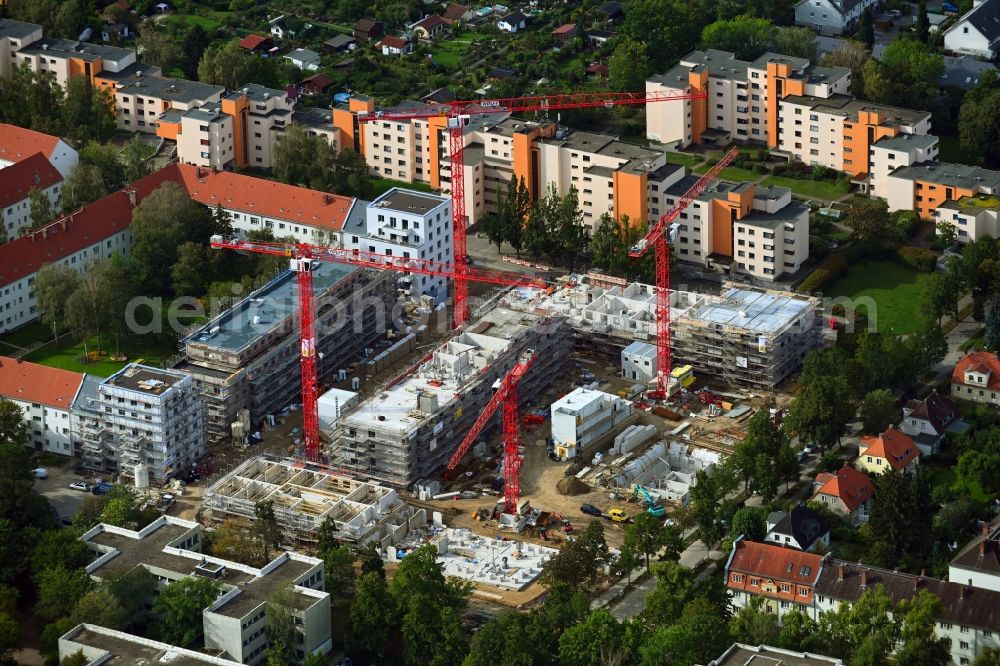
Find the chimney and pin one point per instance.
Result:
(864, 578)
(840, 572)
(966, 590)
(982, 547)
(985, 529)
(131, 197)
(63, 224)
(45, 233)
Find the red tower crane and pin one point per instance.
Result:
(658, 238)
(506, 396)
(302, 257)
(459, 112)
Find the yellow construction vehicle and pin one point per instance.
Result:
(618, 515)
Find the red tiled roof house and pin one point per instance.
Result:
(846, 493)
(784, 577)
(45, 396)
(891, 451)
(977, 378)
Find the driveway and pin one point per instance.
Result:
(64, 499)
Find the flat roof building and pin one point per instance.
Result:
(101, 645)
(247, 357)
(409, 429)
(235, 624)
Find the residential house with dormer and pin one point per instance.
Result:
(892, 451)
(979, 560)
(927, 420)
(977, 378)
(801, 528)
(978, 32)
(846, 493)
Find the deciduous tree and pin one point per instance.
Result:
(599, 639)
(83, 185)
(179, 606)
(59, 589)
(878, 411)
(744, 35)
(42, 210)
(54, 284)
(372, 616)
(749, 522)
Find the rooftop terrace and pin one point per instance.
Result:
(144, 379)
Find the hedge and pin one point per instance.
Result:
(825, 274)
(919, 258)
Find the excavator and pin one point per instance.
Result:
(653, 507)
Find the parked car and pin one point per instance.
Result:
(41, 473)
(590, 510)
(82, 486)
(894, 13)
(102, 488)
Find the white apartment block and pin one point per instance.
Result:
(94, 232)
(742, 96)
(44, 396)
(14, 36)
(16, 184)
(236, 623)
(142, 96)
(147, 424)
(18, 144)
(890, 153)
(958, 194)
(583, 417)
(205, 136)
(65, 58)
(409, 224)
(837, 132)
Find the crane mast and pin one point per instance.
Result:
(658, 239)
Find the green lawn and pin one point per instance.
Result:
(819, 189)
(150, 349)
(684, 159)
(939, 475)
(383, 185)
(839, 235)
(896, 289)
(732, 174)
(449, 52)
(191, 20)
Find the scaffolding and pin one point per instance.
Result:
(409, 429)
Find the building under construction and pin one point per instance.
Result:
(410, 428)
(303, 498)
(747, 336)
(246, 361)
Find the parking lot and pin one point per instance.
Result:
(64, 499)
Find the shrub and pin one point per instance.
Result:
(761, 169)
(919, 258)
(907, 221)
(825, 274)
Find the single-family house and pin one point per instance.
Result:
(281, 30)
(304, 59)
(800, 528)
(396, 46)
(513, 22)
(502, 74)
(565, 32)
(610, 11)
(977, 378)
(456, 13)
(439, 96)
(832, 17)
(598, 38)
(256, 44)
(963, 71)
(317, 84)
(430, 28)
(597, 70)
(366, 29)
(978, 32)
(846, 493)
(115, 32)
(927, 420)
(339, 44)
(892, 451)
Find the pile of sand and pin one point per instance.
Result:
(570, 485)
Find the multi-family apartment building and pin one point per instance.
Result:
(63, 58)
(247, 358)
(14, 36)
(95, 231)
(17, 181)
(788, 579)
(743, 97)
(404, 223)
(239, 130)
(145, 424)
(892, 152)
(610, 175)
(101, 645)
(963, 196)
(838, 131)
(256, 204)
(235, 625)
(18, 143)
(746, 228)
(44, 396)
